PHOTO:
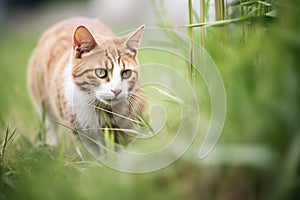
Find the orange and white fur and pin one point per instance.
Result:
(79, 69)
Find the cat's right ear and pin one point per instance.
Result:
(83, 41)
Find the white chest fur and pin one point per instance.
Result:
(80, 103)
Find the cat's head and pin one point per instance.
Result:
(106, 67)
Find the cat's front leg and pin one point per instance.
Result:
(51, 137)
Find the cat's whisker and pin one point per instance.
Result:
(139, 94)
(134, 104)
(86, 100)
(128, 131)
(139, 90)
(114, 113)
(131, 109)
(133, 95)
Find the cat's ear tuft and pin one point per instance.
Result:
(83, 41)
(133, 41)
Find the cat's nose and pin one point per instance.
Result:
(116, 91)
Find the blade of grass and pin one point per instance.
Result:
(113, 113)
(170, 96)
(8, 135)
(145, 123)
(191, 43)
(230, 21)
(217, 13)
(2, 122)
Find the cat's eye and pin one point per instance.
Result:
(101, 73)
(126, 73)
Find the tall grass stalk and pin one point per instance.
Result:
(191, 43)
(41, 136)
(8, 136)
(217, 8)
(203, 11)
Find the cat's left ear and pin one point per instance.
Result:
(132, 43)
(83, 41)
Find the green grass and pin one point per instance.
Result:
(257, 156)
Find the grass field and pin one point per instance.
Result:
(256, 157)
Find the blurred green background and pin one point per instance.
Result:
(258, 153)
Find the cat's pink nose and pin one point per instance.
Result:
(116, 91)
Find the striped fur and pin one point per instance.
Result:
(62, 73)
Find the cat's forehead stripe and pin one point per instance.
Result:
(111, 63)
(119, 56)
(82, 73)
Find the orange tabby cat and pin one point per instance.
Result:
(87, 78)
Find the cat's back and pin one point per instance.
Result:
(64, 30)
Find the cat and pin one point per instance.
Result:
(86, 78)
